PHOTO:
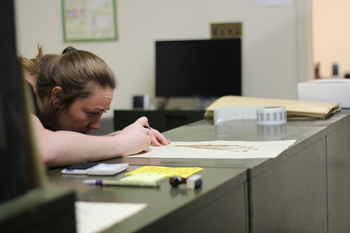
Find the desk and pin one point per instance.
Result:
(219, 204)
(305, 189)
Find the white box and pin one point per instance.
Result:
(326, 90)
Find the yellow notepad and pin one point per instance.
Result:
(143, 178)
(183, 172)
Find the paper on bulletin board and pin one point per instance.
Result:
(89, 20)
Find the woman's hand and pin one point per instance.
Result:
(138, 136)
(156, 137)
(134, 138)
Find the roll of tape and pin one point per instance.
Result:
(271, 115)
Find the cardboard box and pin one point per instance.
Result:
(326, 90)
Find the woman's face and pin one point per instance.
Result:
(84, 114)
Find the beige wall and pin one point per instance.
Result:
(275, 41)
(331, 35)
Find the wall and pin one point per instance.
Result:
(275, 42)
(331, 35)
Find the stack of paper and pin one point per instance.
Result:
(296, 109)
(99, 216)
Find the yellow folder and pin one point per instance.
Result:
(296, 109)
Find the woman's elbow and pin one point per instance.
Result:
(48, 157)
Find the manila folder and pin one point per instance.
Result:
(296, 109)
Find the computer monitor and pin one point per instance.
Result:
(198, 68)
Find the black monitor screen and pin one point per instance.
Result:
(198, 68)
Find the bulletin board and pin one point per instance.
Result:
(89, 20)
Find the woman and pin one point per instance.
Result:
(71, 91)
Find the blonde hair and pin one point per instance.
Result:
(75, 71)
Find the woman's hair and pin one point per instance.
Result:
(75, 71)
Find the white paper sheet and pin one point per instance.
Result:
(219, 150)
(99, 216)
